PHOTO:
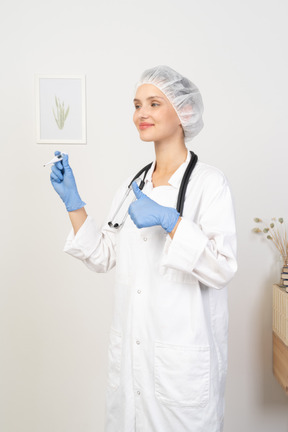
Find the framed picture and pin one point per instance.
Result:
(60, 109)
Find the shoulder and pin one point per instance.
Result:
(207, 180)
(207, 194)
(207, 184)
(209, 174)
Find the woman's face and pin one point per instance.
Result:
(154, 116)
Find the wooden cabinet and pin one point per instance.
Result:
(280, 335)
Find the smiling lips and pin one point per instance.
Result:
(145, 125)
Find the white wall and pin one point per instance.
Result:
(55, 314)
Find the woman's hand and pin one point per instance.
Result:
(145, 212)
(63, 181)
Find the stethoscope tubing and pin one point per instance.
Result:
(116, 225)
(181, 194)
(141, 185)
(184, 183)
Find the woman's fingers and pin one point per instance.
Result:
(54, 178)
(59, 165)
(57, 172)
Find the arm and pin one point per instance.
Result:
(77, 218)
(63, 181)
(205, 245)
(171, 234)
(86, 242)
(94, 246)
(203, 241)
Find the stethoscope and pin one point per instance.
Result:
(181, 193)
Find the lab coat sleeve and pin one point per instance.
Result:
(94, 246)
(206, 248)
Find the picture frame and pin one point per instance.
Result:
(60, 109)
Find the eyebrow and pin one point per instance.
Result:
(151, 97)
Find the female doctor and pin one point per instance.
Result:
(168, 338)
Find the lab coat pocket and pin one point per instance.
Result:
(182, 374)
(114, 359)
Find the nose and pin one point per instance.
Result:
(143, 112)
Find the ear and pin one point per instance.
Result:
(186, 112)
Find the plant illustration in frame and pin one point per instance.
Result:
(61, 109)
(61, 113)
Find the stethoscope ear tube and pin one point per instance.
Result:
(140, 185)
(146, 169)
(184, 183)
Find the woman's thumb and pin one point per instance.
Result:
(65, 160)
(138, 193)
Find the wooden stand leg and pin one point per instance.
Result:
(280, 362)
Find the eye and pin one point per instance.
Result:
(155, 104)
(137, 106)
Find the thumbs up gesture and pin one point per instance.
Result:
(145, 212)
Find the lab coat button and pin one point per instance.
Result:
(145, 238)
(139, 291)
(138, 342)
(138, 393)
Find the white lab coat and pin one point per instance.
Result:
(168, 340)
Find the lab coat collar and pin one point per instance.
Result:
(176, 177)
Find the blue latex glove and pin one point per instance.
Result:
(145, 212)
(63, 181)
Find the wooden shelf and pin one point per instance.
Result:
(280, 336)
(280, 362)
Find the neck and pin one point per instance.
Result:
(169, 155)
